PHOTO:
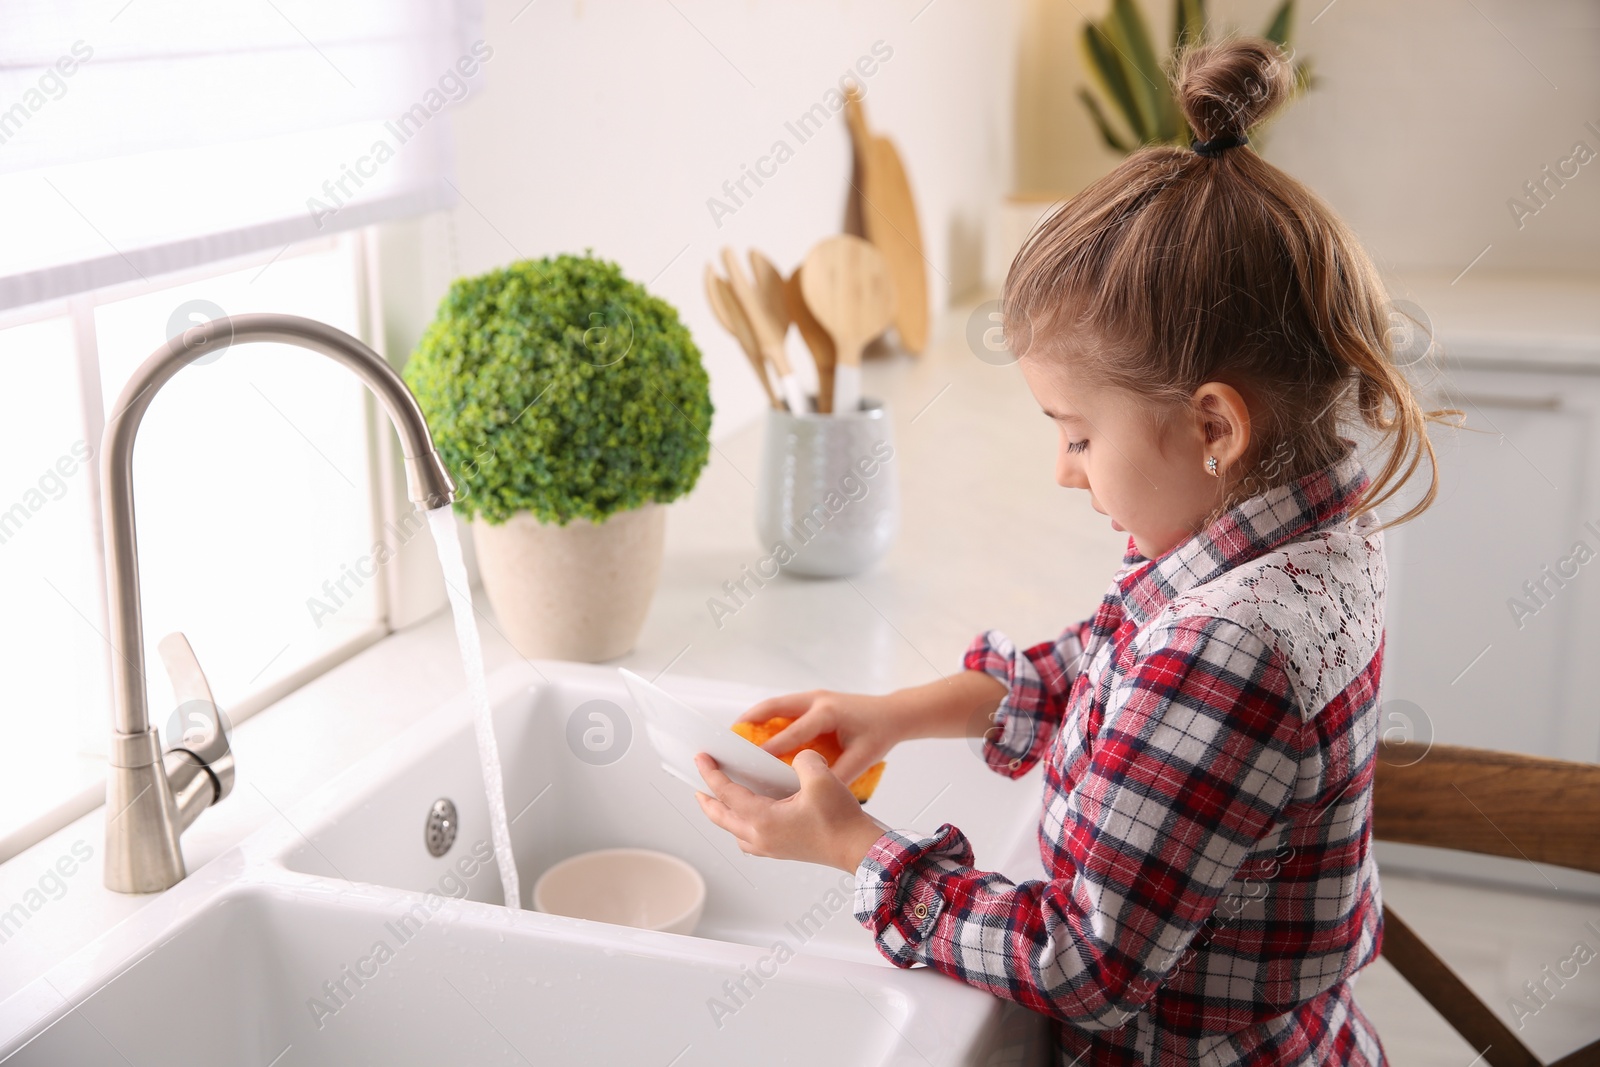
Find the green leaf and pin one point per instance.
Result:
(1103, 61)
(1303, 78)
(1188, 24)
(1126, 28)
(1106, 133)
(1277, 30)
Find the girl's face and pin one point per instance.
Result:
(1150, 478)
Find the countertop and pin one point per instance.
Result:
(1521, 321)
(987, 540)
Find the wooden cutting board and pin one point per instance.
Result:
(888, 217)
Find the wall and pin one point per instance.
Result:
(1428, 116)
(611, 126)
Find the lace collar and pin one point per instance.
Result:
(1249, 529)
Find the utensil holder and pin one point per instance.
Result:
(828, 495)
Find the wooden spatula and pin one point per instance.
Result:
(768, 330)
(726, 307)
(889, 219)
(767, 283)
(847, 286)
(816, 338)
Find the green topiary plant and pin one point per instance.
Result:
(560, 387)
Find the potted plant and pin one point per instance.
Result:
(1133, 105)
(570, 405)
(1118, 52)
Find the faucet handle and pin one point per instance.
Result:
(201, 727)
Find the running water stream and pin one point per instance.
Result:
(455, 580)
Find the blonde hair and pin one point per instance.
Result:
(1179, 268)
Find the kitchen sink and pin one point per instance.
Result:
(562, 803)
(336, 935)
(246, 980)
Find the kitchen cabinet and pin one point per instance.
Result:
(1493, 622)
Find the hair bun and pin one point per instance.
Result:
(1226, 87)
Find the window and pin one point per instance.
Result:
(163, 163)
(55, 674)
(254, 503)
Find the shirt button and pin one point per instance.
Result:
(1015, 764)
(920, 911)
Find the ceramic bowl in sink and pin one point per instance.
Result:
(637, 887)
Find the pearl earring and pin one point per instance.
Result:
(1211, 466)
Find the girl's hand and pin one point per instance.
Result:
(822, 823)
(867, 726)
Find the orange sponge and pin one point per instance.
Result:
(827, 744)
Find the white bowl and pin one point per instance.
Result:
(678, 731)
(637, 887)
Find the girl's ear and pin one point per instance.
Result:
(1223, 418)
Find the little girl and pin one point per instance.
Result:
(1198, 325)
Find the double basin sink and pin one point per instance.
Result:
(336, 936)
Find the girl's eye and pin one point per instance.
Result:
(1077, 446)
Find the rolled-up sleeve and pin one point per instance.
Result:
(1194, 765)
(1038, 683)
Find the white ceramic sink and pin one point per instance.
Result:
(232, 965)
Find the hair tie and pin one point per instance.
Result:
(1218, 145)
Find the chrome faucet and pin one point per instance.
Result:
(153, 796)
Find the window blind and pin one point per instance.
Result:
(139, 137)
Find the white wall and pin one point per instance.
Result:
(611, 124)
(1428, 116)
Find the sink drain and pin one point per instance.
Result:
(440, 833)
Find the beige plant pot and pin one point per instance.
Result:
(574, 592)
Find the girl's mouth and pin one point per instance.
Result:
(1115, 525)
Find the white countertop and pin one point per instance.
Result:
(987, 539)
(1510, 321)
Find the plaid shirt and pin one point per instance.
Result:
(1209, 738)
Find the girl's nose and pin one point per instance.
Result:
(1069, 472)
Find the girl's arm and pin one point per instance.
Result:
(1038, 684)
(959, 706)
(1196, 762)
(1013, 699)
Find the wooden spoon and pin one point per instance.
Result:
(816, 338)
(769, 332)
(847, 286)
(889, 219)
(726, 307)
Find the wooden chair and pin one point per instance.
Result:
(1492, 803)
